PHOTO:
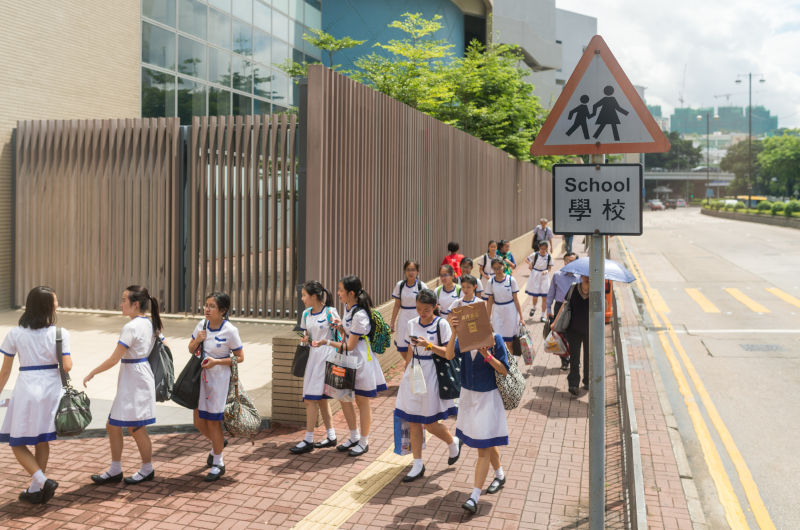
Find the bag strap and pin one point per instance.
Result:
(59, 346)
(438, 333)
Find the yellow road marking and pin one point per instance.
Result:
(728, 499)
(340, 506)
(658, 302)
(704, 303)
(751, 304)
(786, 297)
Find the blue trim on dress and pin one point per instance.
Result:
(401, 349)
(6, 353)
(423, 357)
(134, 423)
(503, 303)
(428, 325)
(382, 387)
(38, 367)
(425, 420)
(535, 294)
(122, 344)
(367, 393)
(481, 444)
(65, 353)
(134, 361)
(27, 440)
(407, 307)
(508, 339)
(209, 328)
(313, 314)
(236, 349)
(357, 334)
(210, 416)
(315, 398)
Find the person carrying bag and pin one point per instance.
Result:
(74, 413)
(186, 391)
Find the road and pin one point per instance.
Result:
(730, 292)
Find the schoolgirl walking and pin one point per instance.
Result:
(503, 303)
(30, 418)
(540, 264)
(219, 340)
(405, 303)
(134, 405)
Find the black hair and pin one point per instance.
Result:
(223, 301)
(501, 244)
(449, 268)
(452, 247)
(543, 243)
(470, 279)
(137, 293)
(490, 243)
(352, 284)
(568, 254)
(410, 262)
(498, 261)
(314, 288)
(428, 297)
(40, 308)
(466, 260)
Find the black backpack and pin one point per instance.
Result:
(160, 360)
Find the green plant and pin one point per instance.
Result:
(763, 206)
(791, 207)
(777, 207)
(738, 206)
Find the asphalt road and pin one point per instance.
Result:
(746, 356)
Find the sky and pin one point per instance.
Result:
(713, 41)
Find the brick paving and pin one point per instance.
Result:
(266, 487)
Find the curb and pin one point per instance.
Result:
(179, 428)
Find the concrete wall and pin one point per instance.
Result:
(775, 220)
(61, 60)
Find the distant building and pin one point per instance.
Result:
(661, 120)
(731, 120)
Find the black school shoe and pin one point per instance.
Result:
(211, 477)
(327, 442)
(346, 446)
(48, 490)
(99, 479)
(358, 450)
(412, 478)
(470, 505)
(210, 459)
(31, 498)
(300, 449)
(453, 459)
(573, 390)
(133, 480)
(496, 485)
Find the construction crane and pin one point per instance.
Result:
(726, 96)
(683, 86)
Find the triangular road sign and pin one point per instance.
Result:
(599, 112)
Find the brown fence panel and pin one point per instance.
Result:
(96, 210)
(386, 183)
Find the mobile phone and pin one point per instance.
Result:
(413, 338)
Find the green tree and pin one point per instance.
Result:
(780, 162)
(681, 155)
(736, 162)
(323, 41)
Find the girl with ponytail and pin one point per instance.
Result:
(317, 323)
(134, 405)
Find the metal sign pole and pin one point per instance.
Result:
(597, 393)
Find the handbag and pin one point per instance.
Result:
(74, 413)
(241, 418)
(526, 345)
(511, 385)
(564, 316)
(186, 391)
(448, 372)
(300, 360)
(340, 375)
(418, 385)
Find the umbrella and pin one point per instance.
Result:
(614, 271)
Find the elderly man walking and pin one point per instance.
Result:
(542, 232)
(559, 287)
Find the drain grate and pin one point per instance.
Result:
(761, 347)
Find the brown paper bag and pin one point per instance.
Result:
(474, 329)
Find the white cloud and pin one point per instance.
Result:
(714, 40)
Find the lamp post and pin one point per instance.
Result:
(708, 146)
(739, 77)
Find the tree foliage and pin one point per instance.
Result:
(736, 162)
(780, 163)
(681, 155)
(323, 41)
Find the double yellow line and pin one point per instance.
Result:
(669, 340)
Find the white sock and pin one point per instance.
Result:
(218, 460)
(476, 495)
(364, 441)
(453, 448)
(37, 481)
(146, 469)
(355, 436)
(115, 469)
(417, 467)
(498, 474)
(309, 437)
(332, 434)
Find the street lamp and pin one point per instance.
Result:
(708, 146)
(739, 77)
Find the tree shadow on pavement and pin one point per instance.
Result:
(441, 510)
(553, 402)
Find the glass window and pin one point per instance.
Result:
(297, 55)
(296, 9)
(262, 16)
(283, 5)
(219, 28)
(242, 105)
(262, 76)
(219, 66)
(242, 74)
(191, 57)
(280, 26)
(242, 38)
(261, 107)
(160, 10)
(280, 88)
(277, 109)
(280, 51)
(315, 52)
(158, 46)
(219, 102)
(243, 9)
(296, 31)
(191, 100)
(262, 46)
(158, 94)
(313, 14)
(225, 5)
(192, 17)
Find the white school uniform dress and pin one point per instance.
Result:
(538, 283)
(220, 343)
(481, 416)
(369, 377)
(505, 317)
(478, 288)
(408, 310)
(462, 302)
(486, 264)
(428, 407)
(446, 298)
(30, 418)
(318, 327)
(135, 402)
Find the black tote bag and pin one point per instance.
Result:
(186, 391)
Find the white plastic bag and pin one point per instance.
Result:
(418, 385)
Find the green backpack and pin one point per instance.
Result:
(379, 337)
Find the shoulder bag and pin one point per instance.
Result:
(448, 372)
(241, 418)
(511, 385)
(564, 316)
(74, 413)
(186, 391)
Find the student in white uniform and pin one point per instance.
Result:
(134, 405)
(30, 417)
(317, 323)
(369, 376)
(220, 339)
(429, 335)
(485, 262)
(448, 292)
(503, 303)
(469, 293)
(466, 270)
(405, 300)
(540, 263)
(481, 416)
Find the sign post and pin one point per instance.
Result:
(598, 112)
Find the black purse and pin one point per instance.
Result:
(186, 391)
(300, 360)
(448, 373)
